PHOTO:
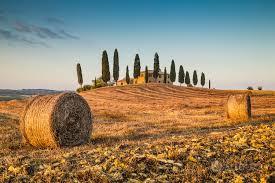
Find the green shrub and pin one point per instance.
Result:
(87, 87)
(99, 83)
(78, 90)
(84, 88)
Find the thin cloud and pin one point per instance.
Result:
(7, 34)
(55, 20)
(23, 32)
(68, 35)
(10, 36)
(44, 32)
(34, 42)
(22, 27)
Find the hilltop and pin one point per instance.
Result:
(151, 132)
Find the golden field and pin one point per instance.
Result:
(150, 133)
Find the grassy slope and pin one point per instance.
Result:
(152, 132)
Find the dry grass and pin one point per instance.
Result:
(150, 133)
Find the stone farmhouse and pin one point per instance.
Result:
(151, 79)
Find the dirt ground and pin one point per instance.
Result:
(150, 133)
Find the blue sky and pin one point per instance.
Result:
(231, 41)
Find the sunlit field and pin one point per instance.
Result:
(152, 133)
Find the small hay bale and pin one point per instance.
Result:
(59, 120)
(238, 107)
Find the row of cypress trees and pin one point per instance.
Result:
(106, 71)
(183, 77)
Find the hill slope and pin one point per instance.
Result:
(162, 109)
(152, 133)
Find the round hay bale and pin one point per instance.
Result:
(238, 107)
(59, 120)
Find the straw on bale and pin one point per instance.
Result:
(56, 121)
(238, 107)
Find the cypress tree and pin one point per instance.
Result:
(173, 72)
(195, 78)
(95, 83)
(137, 67)
(165, 75)
(105, 67)
(116, 66)
(146, 75)
(127, 75)
(209, 84)
(156, 66)
(187, 78)
(202, 79)
(79, 74)
(181, 75)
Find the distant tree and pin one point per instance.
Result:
(79, 74)
(137, 67)
(260, 88)
(105, 67)
(116, 66)
(127, 75)
(165, 76)
(202, 79)
(250, 88)
(95, 83)
(173, 72)
(181, 75)
(156, 66)
(146, 75)
(187, 78)
(195, 78)
(209, 84)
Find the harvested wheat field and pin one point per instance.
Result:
(150, 133)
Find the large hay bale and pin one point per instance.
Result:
(238, 107)
(57, 120)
